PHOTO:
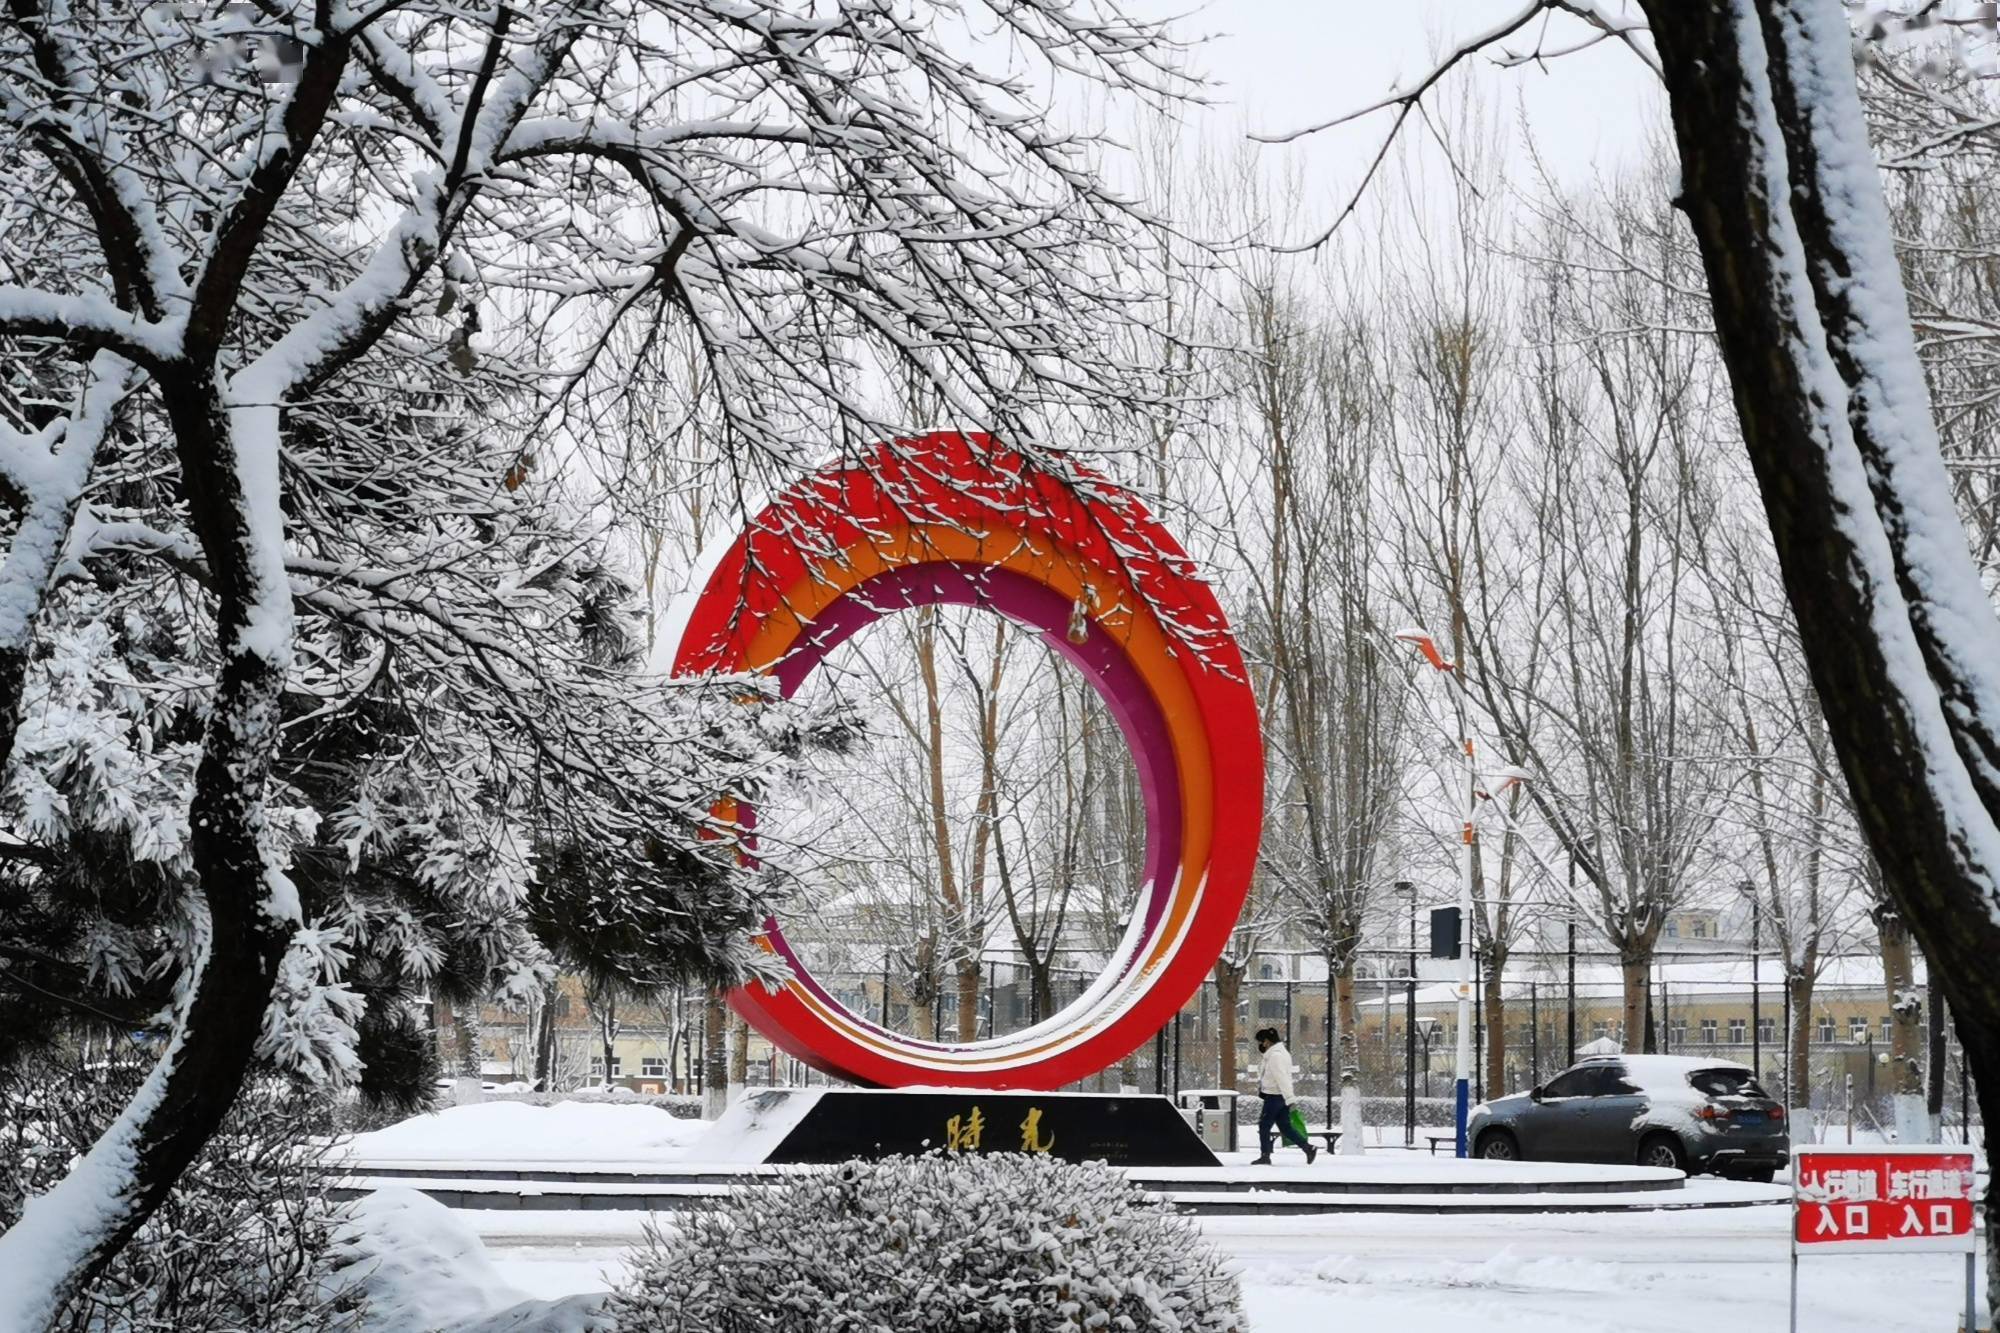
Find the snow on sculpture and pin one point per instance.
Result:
(956, 519)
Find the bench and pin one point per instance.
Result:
(1330, 1137)
(1434, 1137)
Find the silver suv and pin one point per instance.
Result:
(1657, 1110)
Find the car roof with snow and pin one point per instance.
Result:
(1663, 1072)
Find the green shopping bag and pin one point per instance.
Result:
(1298, 1123)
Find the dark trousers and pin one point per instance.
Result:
(1276, 1116)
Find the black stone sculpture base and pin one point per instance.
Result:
(821, 1125)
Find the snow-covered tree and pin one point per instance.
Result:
(1781, 189)
(1303, 511)
(292, 369)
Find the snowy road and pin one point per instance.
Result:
(1647, 1273)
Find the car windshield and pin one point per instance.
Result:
(1726, 1083)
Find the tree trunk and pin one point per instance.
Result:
(1496, 1024)
(1637, 974)
(1798, 1060)
(246, 909)
(1228, 994)
(1353, 1125)
(465, 1041)
(467, 1085)
(607, 1033)
(950, 900)
(444, 1034)
(924, 1014)
(739, 1057)
(1343, 1001)
(1352, 1132)
(1906, 1016)
(1796, 243)
(1934, 1064)
(1041, 987)
(968, 1000)
(715, 1059)
(545, 1036)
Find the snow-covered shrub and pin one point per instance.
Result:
(242, 1242)
(971, 1243)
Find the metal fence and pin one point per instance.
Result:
(1706, 1018)
(1404, 1070)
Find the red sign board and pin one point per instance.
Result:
(1881, 1198)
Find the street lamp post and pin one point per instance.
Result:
(1572, 986)
(1462, 1071)
(1326, 1032)
(1749, 890)
(1409, 892)
(1461, 1084)
(1534, 1035)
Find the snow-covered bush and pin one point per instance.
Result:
(244, 1241)
(996, 1242)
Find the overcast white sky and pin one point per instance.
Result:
(1282, 64)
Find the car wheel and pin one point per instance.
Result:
(1662, 1150)
(1497, 1145)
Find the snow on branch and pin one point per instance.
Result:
(86, 321)
(1866, 324)
(47, 489)
(351, 681)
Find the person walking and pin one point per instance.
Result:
(1274, 1085)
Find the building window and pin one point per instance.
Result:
(1767, 1029)
(1708, 1030)
(1599, 1030)
(1826, 1027)
(1680, 1031)
(1857, 1029)
(653, 1066)
(1271, 1009)
(1701, 930)
(1673, 930)
(1888, 1027)
(1738, 1031)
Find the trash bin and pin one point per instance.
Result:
(1214, 1116)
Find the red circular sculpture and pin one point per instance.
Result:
(955, 519)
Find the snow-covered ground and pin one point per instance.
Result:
(567, 1132)
(1646, 1273)
(1639, 1273)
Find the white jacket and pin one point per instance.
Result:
(1275, 1077)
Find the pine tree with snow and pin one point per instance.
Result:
(296, 694)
